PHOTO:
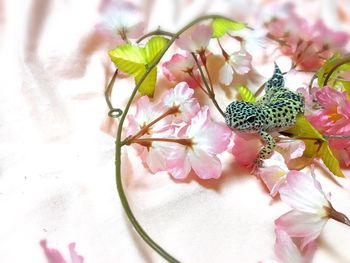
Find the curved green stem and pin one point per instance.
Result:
(118, 143)
(342, 61)
(157, 32)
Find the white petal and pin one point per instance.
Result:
(226, 74)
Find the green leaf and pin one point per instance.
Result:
(346, 87)
(246, 94)
(154, 47)
(147, 86)
(316, 145)
(134, 60)
(330, 161)
(130, 59)
(221, 26)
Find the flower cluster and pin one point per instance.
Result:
(177, 135)
(307, 45)
(183, 67)
(333, 118)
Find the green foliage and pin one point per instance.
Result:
(221, 26)
(246, 94)
(134, 60)
(316, 144)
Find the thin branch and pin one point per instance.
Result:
(211, 93)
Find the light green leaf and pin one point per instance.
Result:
(316, 145)
(221, 26)
(154, 47)
(130, 59)
(148, 85)
(330, 161)
(134, 61)
(246, 94)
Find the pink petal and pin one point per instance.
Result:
(299, 224)
(185, 42)
(329, 97)
(136, 30)
(285, 250)
(273, 173)
(226, 74)
(201, 35)
(208, 139)
(52, 255)
(291, 150)
(304, 193)
(177, 162)
(199, 122)
(75, 258)
(182, 96)
(246, 148)
(157, 156)
(288, 252)
(206, 166)
(241, 61)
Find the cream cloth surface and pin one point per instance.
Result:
(57, 163)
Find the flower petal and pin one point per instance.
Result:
(299, 224)
(201, 36)
(226, 74)
(206, 166)
(304, 193)
(288, 252)
(177, 162)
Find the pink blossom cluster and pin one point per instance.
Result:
(176, 135)
(308, 45)
(297, 230)
(184, 67)
(195, 41)
(333, 118)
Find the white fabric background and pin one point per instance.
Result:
(57, 166)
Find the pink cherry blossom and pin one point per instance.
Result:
(54, 256)
(239, 62)
(181, 96)
(195, 39)
(146, 112)
(201, 156)
(310, 207)
(181, 68)
(120, 21)
(334, 119)
(151, 129)
(151, 153)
